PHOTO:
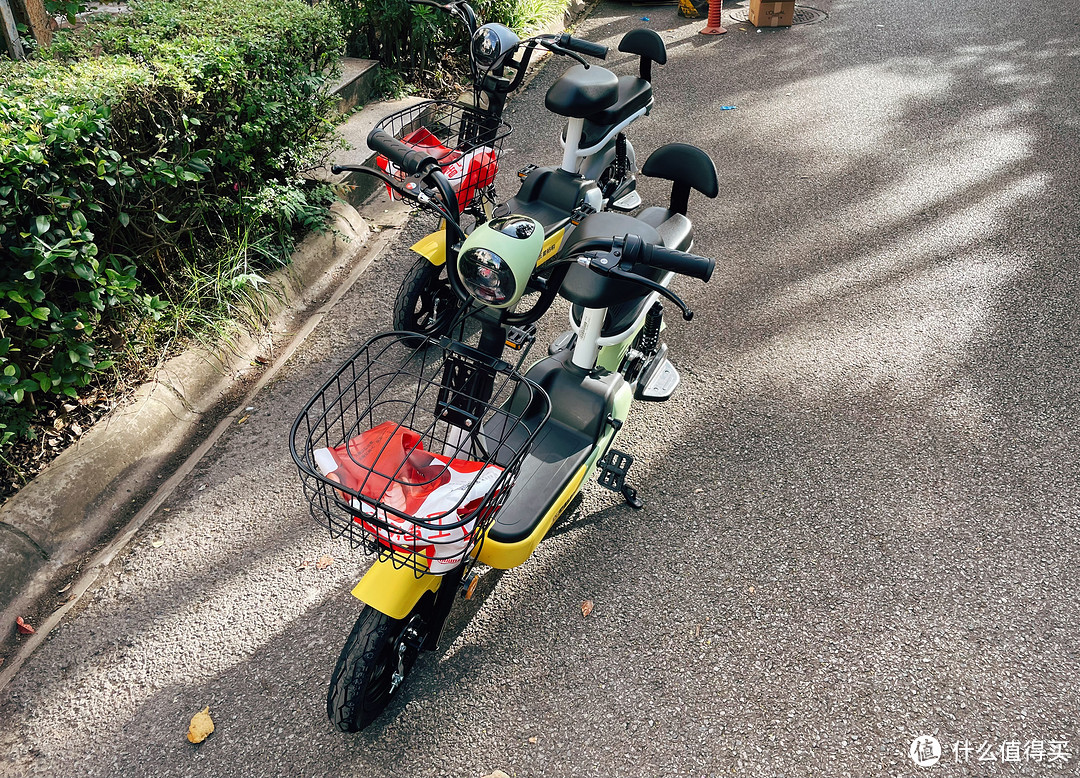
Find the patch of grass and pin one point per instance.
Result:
(526, 16)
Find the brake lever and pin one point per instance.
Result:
(557, 49)
(608, 265)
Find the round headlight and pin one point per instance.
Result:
(496, 260)
(487, 276)
(485, 47)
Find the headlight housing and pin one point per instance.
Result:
(490, 42)
(496, 260)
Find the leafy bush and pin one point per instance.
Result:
(412, 39)
(140, 153)
(403, 36)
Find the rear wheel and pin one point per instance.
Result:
(377, 656)
(425, 303)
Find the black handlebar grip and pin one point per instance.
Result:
(637, 250)
(678, 262)
(405, 157)
(588, 48)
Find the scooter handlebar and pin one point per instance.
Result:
(681, 262)
(405, 157)
(588, 48)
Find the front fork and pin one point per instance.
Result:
(397, 590)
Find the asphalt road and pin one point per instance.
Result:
(861, 506)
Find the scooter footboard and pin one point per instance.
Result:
(586, 411)
(508, 552)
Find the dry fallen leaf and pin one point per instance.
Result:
(23, 627)
(201, 726)
(497, 774)
(586, 607)
(534, 739)
(751, 590)
(157, 543)
(324, 562)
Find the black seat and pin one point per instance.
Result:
(582, 92)
(585, 288)
(687, 167)
(634, 94)
(675, 230)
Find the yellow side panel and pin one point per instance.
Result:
(504, 556)
(433, 247)
(551, 245)
(393, 591)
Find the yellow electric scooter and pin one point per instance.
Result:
(440, 456)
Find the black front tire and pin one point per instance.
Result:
(362, 683)
(425, 303)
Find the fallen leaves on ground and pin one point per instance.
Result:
(201, 726)
(23, 627)
(497, 774)
(586, 607)
(324, 562)
(57, 424)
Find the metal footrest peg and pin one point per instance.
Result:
(519, 337)
(613, 469)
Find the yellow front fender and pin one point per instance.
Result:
(433, 247)
(393, 590)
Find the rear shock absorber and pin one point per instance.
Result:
(622, 162)
(649, 337)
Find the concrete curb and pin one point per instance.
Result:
(91, 490)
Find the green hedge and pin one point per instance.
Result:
(138, 154)
(414, 39)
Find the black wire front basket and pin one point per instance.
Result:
(410, 451)
(466, 141)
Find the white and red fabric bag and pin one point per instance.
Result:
(388, 465)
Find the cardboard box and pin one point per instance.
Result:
(770, 13)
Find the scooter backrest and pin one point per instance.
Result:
(688, 167)
(648, 45)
